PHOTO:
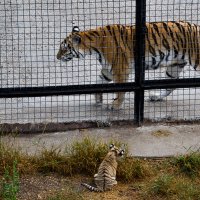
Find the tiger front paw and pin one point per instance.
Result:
(155, 98)
(116, 105)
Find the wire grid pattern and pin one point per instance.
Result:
(183, 103)
(31, 31)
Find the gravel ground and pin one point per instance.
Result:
(30, 36)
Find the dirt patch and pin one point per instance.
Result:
(161, 133)
(36, 187)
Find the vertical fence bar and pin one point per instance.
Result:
(139, 60)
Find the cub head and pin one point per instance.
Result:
(118, 152)
(70, 47)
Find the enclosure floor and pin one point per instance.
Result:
(180, 105)
(148, 141)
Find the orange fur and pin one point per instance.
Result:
(169, 44)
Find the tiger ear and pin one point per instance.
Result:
(75, 29)
(76, 39)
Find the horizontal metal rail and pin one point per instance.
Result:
(171, 83)
(97, 88)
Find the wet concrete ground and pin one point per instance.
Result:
(146, 141)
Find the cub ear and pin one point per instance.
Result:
(122, 152)
(76, 39)
(75, 29)
(111, 146)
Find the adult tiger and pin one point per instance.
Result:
(105, 178)
(170, 44)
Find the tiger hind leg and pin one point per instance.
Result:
(173, 72)
(105, 77)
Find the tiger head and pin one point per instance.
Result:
(118, 152)
(72, 46)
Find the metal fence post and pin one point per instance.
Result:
(139, 60)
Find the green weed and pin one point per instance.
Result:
(188, 164)
(162, 186)
(10, 183)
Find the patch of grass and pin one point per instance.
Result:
(188, 164)
(25, 163)
(81, 157)
(86, 155)
(130, 169)
(168, 186)
(162, 185)
(7, 155)
(187, 190)
(10, 183)
(52, 160)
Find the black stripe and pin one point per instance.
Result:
(171, 34)
(182, 30)
(154, 37)
(117, 45)
(115, 38)
(189, 25)
(189, 55)
(88, 36)
(167, 73)
(122, 31)
(73, 50)
(162, 55)
(103, 31)
(179, 26)
(109, 30)
(190, 44)
(152, 50)
(99, 54)
(166, 28)
(179, 39)
(126, 34)
(165, 43)
(153, 61)
(197, 48)
(96, 32)
(156, 28)
(167, 56)
(175, 52)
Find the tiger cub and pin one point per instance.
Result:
(170, 44)
(106, 175)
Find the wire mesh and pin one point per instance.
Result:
(31, 32)
(180, 104)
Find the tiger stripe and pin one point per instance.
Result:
(167, 44)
